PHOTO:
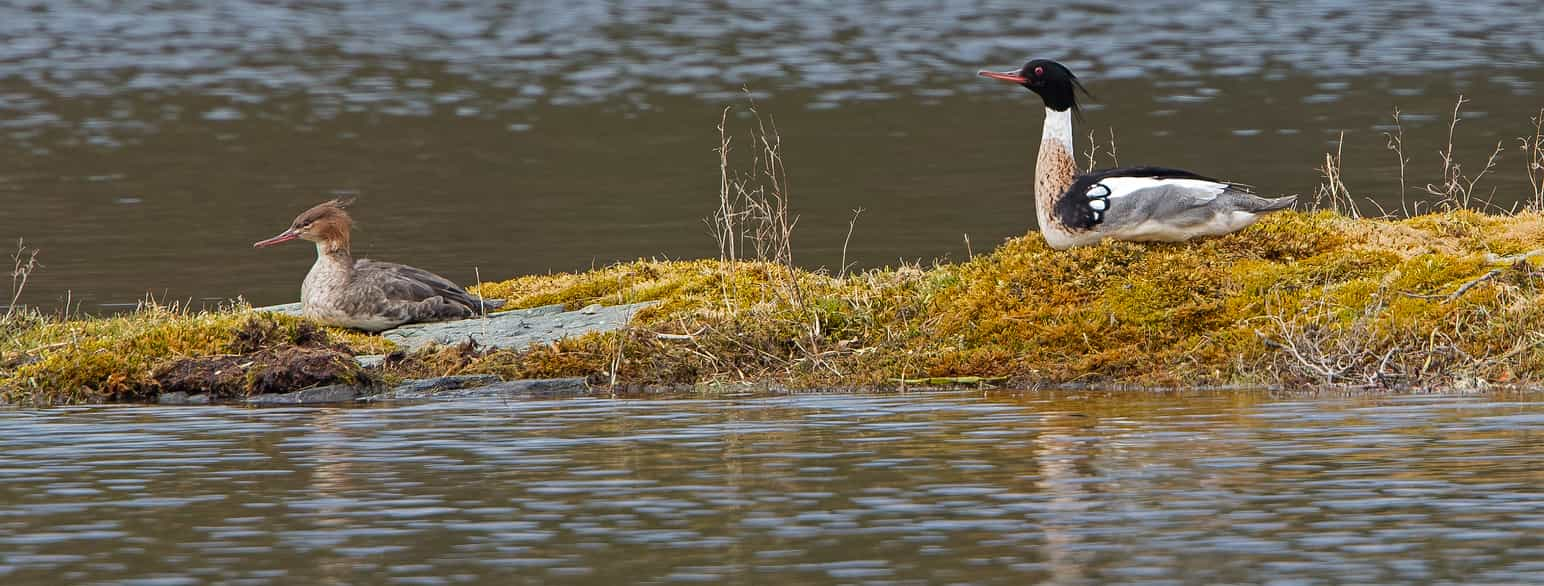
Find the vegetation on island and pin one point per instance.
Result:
(1448, 299)
(1442, 300)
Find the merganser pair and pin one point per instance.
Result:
(1131, 203)
(365, 294)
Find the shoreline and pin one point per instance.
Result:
(1444, 301)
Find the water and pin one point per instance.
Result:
(144, 145)
(1001, 487)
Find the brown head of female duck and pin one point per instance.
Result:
(1129, 203)
(365, 294)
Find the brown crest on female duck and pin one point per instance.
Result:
(326, 223)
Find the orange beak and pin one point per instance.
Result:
(283, 237)
(1009, 76)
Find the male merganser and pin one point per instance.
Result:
(1131, 203)
(366, 294)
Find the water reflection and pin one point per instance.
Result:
(1004, 487)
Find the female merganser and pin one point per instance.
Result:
(366, 294)
(1132, 203)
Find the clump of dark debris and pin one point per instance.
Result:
(270, 357)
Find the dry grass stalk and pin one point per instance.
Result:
(1092, 154)
(24, 261)
(754, 222)
(1456, 190)
(1333, 190)
(1396, 143)
(725, 219)
(1533, 148)
(753, 213)
(852, 224)
(617, 356)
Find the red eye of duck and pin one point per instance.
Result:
(1039, 71)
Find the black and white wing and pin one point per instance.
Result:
(1158, 203)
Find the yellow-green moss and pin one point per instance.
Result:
(1226, 310)
(1299, 298)
(111, 358)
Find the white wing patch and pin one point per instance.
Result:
(1098, 196)
(1124, 186)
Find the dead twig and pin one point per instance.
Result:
(1533, 149)
(1493, 273)
(24, 261)
(1456, 189)
(1493, 258)
(851, 225)
(1396, 143)
(1334, 191)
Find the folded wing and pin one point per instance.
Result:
(1158, 203)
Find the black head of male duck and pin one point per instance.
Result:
(1131, 203)
(1052, 81)
(366, 294)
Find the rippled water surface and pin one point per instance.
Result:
(145, 144)
(997, 488)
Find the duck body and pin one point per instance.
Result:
(365, 294)
(1140, 204)
(373, 296)
(1155, 204)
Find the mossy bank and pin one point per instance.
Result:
(1449, 300)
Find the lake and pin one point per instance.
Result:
(995, 487)
(147, 145)
(144, 145)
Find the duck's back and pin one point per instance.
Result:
(404, 283)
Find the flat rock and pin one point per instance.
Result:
(181, 398)
(523, 389)
(284, 308)
(519, 328)
(445, 383)
(506, 329)
(312, 396)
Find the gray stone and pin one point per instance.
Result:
(523, 389)
(506, 329)
(370, 360)
(541, 386)
(519, 328)
(182, 398)
(284, 308)
(312, 396)
(445, 383)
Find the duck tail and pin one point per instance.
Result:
(1260, 205)
(1278, 203)
(485, 304)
